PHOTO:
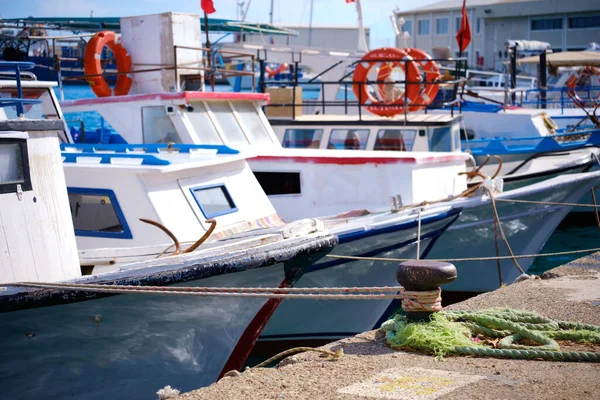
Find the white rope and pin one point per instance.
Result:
(277, 293)
(549, 203)
(419, 301)
(560, 253)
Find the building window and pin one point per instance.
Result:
(499, 53)
(349, 139)
(395, 139)
(274, 183)
(96, 212)
(407, 27)
(546, 24)
(457, 24)
(441, 26)
(423, 27)
(478, 25)
(584, 22)
(14, 165)
(213, 200)
(302, 138)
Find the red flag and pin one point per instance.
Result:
(463, 36)
(349, 1)
(207, 6)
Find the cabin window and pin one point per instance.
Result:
(14, 165)
(274, 183)
(349, 139)
(440, 139)
(230, 129)
(44, 110)
(213, 200)
(157, 126)
(395, 139)
(96, 212)
(255, 128)
(203, 126)
(303, 138)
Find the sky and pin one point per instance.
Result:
(376, 13)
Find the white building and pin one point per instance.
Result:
(339, 37)
(566, 25)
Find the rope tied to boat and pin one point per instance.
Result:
(417, 301)
(493, 333)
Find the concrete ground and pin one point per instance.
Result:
(369, 369)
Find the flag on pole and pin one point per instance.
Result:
(463, 36)
(207, 6)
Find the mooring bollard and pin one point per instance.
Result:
(421, 280)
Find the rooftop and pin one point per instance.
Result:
(448, 5)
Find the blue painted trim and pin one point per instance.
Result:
(301, 335)
(147, 148)
(453, 213)
(147, 159)
(126, 234)
(227, 195)
(544, 144)
(406, 225)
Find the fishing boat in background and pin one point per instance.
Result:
(309, 182)
(64, 335)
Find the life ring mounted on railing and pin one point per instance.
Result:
(92, 65)
(271, 73)
(432, 78)
(389, 58)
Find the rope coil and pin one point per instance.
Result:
(421, 301)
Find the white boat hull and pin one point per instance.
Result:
(299, 320)
(527, 228)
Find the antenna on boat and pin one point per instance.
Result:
(271, 13)
(362, 38)
(310, 23)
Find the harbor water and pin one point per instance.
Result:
(567, 237)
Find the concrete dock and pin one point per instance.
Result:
(370, 369)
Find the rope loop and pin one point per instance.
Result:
(421, 301)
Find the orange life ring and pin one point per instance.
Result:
(385, 55)
(432, 78)
(91, 64)
(272, 72)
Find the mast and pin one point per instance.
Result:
(310, 24)
(362, 38)
(271, 13)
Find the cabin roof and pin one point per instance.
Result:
(368, 119)
(149, 158)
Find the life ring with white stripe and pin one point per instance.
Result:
(391, 104)
(432, 78)
(92, 64)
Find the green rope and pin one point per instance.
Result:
(452, 332)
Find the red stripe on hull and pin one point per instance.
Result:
(187, 96)
(363, 160)
(246, 343)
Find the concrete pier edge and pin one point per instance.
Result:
(370, 370)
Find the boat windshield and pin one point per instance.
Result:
(44, 110)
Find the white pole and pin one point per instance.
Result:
(362, 38)
(310, 24)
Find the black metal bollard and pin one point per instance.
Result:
(423, 276)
